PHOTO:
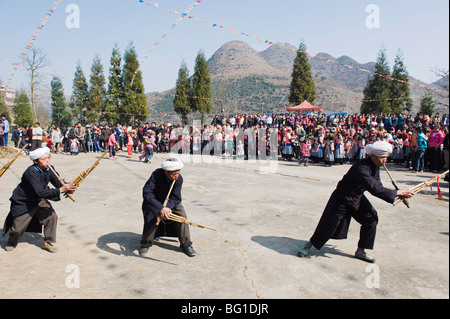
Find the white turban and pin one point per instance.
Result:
(379, 149)
(38, 153)
(172, 164)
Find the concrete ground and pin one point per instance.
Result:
(264, 211)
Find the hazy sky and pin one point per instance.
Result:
(419, 28)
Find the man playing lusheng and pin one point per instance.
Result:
(348, 201)
(30, 206)
(155, 192)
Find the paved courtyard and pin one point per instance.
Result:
(263, 211)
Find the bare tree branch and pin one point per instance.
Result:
(443, 82)
(34, 61)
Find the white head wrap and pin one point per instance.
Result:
(172, 164)
(379, 149)
(38, 153)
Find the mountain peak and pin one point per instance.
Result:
(262, 80)
(324, 55)
(238, 59)
(280, 56)
(346, 60)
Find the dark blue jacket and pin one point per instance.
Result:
(15, 136)
(32, 189)
(349, 196)
(362, 176)
(155, 192)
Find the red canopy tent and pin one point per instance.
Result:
(304, 106)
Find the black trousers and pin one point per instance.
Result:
(83, 145)
(35, 144)
(335, 222)
(435, 160)
(166, 228)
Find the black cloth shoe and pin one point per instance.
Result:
(143, 251)
(10, 247)
(189, 251)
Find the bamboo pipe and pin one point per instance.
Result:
(183, 220)
(418, 188)
(177, 218)
(404, 200)
(158, 219)
(77, 181)
(62, 183)
(428, 183)
(4, 168)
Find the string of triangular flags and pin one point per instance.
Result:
(318, 103)
(42, 23)
(259, 39)
(173, 26)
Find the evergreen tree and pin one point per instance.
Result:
(79, 95)
(22, 110)
(133, 102)
(182, 100)
(399, 87)
(96, 94)
(302, 85)
(377, 90)
(115, 88)
(4, 109)
(60, 115)
(427, 104)
(201, 87)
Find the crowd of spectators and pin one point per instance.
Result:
(420, 142)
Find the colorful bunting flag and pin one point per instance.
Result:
(33, 38)
(315, 56)
(195, 4)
